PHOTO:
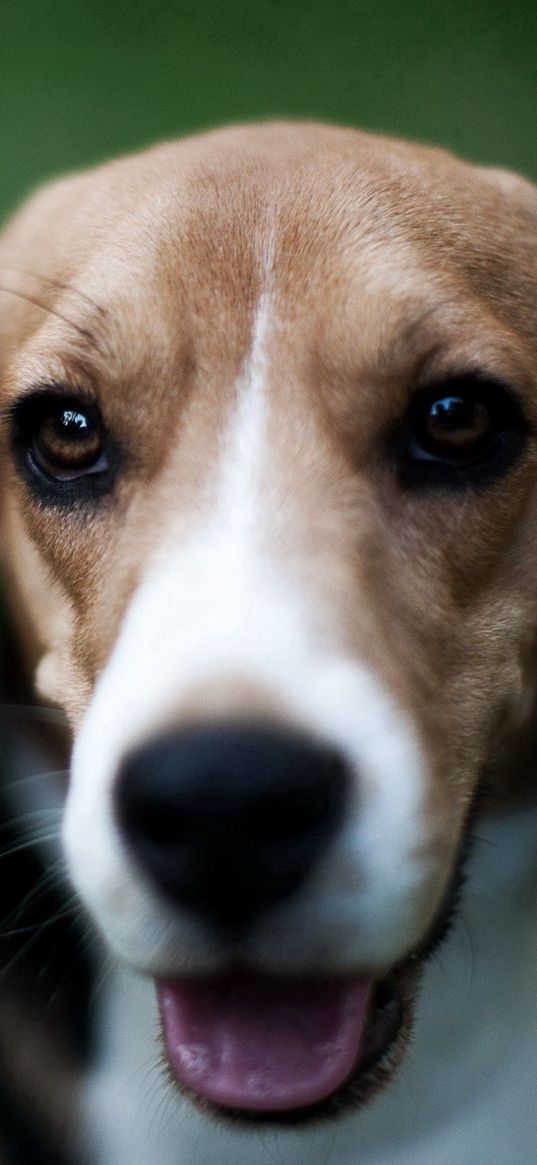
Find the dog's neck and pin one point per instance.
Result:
(469, 1073)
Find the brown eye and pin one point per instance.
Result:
(68, 443)
(462, 433)
(455, 427)
(62, 447)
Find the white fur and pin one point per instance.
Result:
(224, 602)
(221, 604)
(465, 1094)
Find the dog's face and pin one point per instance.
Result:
(270, 405)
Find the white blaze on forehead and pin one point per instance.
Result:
(215, 602)
(242, 466)
(221, 604)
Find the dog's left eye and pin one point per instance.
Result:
(62, 444)
(454, 427)
(464, 432)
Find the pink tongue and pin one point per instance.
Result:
(261, 1041)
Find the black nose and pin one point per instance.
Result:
(228, 820)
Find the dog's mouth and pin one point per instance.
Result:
(262, 1045)
(275, 1047)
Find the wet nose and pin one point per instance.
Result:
(228, 820)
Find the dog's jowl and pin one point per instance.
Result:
(269, 529)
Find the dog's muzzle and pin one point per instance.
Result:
(227, 821)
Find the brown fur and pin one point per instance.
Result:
(393, 266)
(428, 265)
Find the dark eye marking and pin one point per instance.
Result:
(463, 432)
(62, 446)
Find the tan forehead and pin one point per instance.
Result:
(187, 235)
(305, 201)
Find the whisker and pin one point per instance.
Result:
(476, 837)
(21, 846)
(59, 915)
(22, 820)
(88, 949)
(33, 711)
(59, 285)
(151, 1088)
(47, 882)
(24, 949)
(163, 1105)
(85, 332)
(49, 878)
(58, 776)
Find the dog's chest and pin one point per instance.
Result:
(464, 1096)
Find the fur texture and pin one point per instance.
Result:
(254, 312)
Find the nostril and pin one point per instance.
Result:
(229, 819)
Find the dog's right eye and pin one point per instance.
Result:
(61, 445)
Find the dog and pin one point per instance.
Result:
(269, 513)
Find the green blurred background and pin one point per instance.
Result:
(81, 81)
